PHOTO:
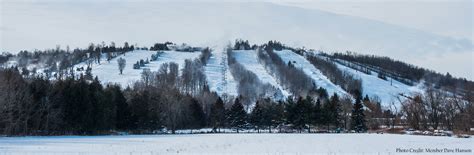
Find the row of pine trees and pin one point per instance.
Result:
(292, 115)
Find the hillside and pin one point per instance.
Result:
(222, 81)
(169, 87)
(386, 90)
(107, 71)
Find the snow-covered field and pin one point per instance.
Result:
(314, 73)
(249, 59)
(229, 144)
(108, 71)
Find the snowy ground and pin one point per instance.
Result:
(249, 59)
(229, 144)
(387, 90)
(314, 73)
(108, 71)
(215, 69)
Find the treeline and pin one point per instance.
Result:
(436, 109)
(286, 73)
(240, 44)
(347, 82)
(4, 57)
(297, 114)
(404, 72)
(161, 46)
(59, 62)
(167, 46)
(38, 106)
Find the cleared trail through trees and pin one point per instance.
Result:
(218, 75)
(318, 78)
(249, 59)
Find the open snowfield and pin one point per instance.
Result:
(229, 144)
(314, 73)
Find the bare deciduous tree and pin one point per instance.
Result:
(121, 64)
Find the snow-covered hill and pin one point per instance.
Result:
(388, 91)
(108, 72)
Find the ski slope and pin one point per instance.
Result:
(108, 72)
(218, 75)
(249, 59)
(228, 144)
(388, 91)
(314, 73)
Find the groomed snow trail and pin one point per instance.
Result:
(388, 91)
(249, 59)
(218, 74)
(314, 73)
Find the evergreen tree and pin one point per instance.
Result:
(278, 114)
(366, 99)
(358, 117)
(139, 103)
(197, 115)
(99, 106)
(88, 75)
(327, 113)
(217, 116)
(307, 112)
(257, 116)
(317, 116)
(122, 114)
(237, 115)
(335, 110)
(323, 93)
(304, 112)
(290, 111)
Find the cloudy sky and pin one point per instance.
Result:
(445, 17)
(436, 34)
